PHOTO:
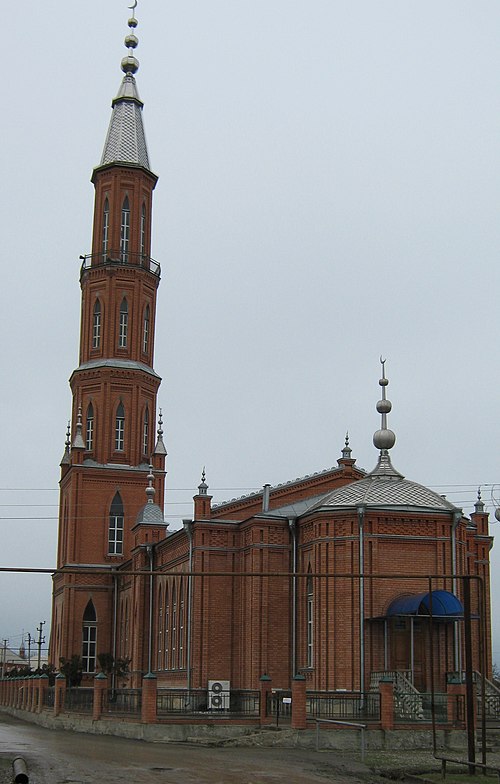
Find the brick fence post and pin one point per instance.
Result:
(148, 709)
(265, 688)
(299, 719)
(59, 693)
(100, 688)
(386, 690)
(455, 694)
(43, 682)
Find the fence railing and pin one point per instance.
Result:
(123, 701)
(79, 699)
(405, 712)
(118, 258)
(343, 705)
(49, 697)
(236, 702)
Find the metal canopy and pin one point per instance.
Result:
(444, 605)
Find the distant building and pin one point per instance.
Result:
(341, 576)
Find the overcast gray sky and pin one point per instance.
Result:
(328, 192)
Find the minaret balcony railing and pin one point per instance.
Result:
(118, 258)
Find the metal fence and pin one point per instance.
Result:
(237, 702)
(410, 708)
(123, 701)
(80, 699)
(49, 697)
(351, 705)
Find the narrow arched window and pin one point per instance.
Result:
(145, 433)
(89, 638)
(166, 630)
(125, 230)
(143, 230)
(89, 429)
(96, 325)
(123, 326)
(105, 229)
(145, 332)
(310, 621)
(115, 529)
(159, 657)
(120, 428)
(181, 625)
(173, 635)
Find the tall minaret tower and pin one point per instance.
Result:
(114, 387)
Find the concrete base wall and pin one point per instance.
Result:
(245, 735)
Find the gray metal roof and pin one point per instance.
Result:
(387, 491)
(150, 514)
(126, 140)
(121, 364)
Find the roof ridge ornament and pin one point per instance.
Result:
(130, 64)
(384, 439)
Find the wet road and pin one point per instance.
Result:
(61, 757)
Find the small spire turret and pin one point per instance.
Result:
(203, 487)
(479, 505)
(66, 456)
(384, 439)
(347, 451)
(160, 446)
(78, 442)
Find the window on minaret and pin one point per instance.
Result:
(89, 638)
(145, 334)
(96, 325)
(89, 429)
(143, 230)
(123, 327)
(145, 433)
(125, 230)
(120, 428)
(105, 229)
(310, 621)
(115, 530)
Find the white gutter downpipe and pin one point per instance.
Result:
(361, 520)
(188, 527)
(457, 516)
(292, 525)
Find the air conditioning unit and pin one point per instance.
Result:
(218, 695)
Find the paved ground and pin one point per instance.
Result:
(59, 757)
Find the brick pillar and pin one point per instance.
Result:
(148, 712)
(386, 690)
(26, 685)
(32, 697)
(43, 682)
(265, 688)
(59, 694)
(456, 692)
(299, 720)
(100, 689)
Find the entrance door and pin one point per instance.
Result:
(401, 659)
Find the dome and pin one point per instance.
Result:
(387, 492)
(150, 513)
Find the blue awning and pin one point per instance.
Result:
(444, 605)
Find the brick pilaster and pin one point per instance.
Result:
(299, 719)
(100, 688)
(386, 690)
(148, 714)
(59, 694)
(265, 688)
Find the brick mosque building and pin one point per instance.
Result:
(327, 577)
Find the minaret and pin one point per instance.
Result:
(114, 386)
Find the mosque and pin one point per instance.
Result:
(338, 577)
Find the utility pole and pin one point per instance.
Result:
(4, 656)
(40, 641)
(30, 640)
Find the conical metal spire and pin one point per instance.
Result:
(126, 141)
(78, 442)
(160, 446)
(384, 439)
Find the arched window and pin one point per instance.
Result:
(105, 229)
(115, 529)
(181, 625)
(145, 433)
(159, 656)
(125, 230)
(89, 638)
(89, 429)
(120, 428)
(143, 230)
(145, 332)
(123, 326)
(173, 662)
(310, 621)
(166, 631)
(96, 325)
